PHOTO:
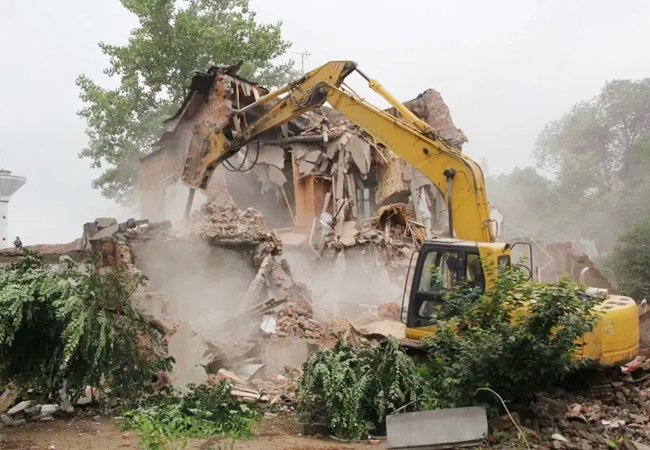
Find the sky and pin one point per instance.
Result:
(505, 68)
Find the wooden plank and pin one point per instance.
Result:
(305, 209)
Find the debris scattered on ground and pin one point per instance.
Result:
(28, 411)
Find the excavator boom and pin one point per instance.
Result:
(410, 138)
(458, 178)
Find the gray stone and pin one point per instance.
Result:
(551, 406)
(271, 155)
(444, 428)
(20, 407)
(106, 233)
(6, 420)
(105, 222)
(48, 410)
(33, 410)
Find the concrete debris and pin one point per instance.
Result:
(297, 323)
(28, 411)
(272, 156)
(443, 428)
(19, 408)
(276, 389)
(430, 107)
(191, 353)
(277, 176)
(383, 328)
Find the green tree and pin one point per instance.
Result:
(155, 68)
(591, 147)
(598, 155)
(74, 326)
(630, 261)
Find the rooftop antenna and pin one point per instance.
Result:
(9, 184)
(303, 56)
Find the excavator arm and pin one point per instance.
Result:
(459, 179)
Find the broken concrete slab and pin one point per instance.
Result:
(312, 156)
(292, 239)
(48, 410)
(271, 155)
(252, 371)
(443, 428)
(305, 167)
(278, 353)
(105, 233)
(383, 328)
(191, 354)
(19, 408)
(276, 176)
(360, 151)
(105, 222)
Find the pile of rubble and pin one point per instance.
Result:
(275, 390)
(605, 413)
(15, 412)
(28, 411)
(297, 323)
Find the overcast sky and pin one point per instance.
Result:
(505, 68)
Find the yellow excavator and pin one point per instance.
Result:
(441, 263)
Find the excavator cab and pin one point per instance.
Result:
(444, 263)
(441, 265)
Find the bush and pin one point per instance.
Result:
(75, 326)
(170, 421)
(517, 338)
(629, 263)
(351, 390)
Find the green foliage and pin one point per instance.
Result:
(172, 41)
(170, 421)
(351, 390)
(598, 155)
(76, 326)
(517, 338)
(630, 260)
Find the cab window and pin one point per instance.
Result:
(474, 272)
(439, 272)
(504, 263)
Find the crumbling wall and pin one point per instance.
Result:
(430, 107)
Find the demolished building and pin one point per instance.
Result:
(314, 169)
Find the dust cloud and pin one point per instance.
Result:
(349, 287)
(204, 284)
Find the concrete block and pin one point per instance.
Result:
(286, 352)
(20, 407)
(443, 428)
(191, 354)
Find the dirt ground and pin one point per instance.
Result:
(99, 433)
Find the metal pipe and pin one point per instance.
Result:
(190, 200)
(265, 98)
(415, 120)
(450, 174)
